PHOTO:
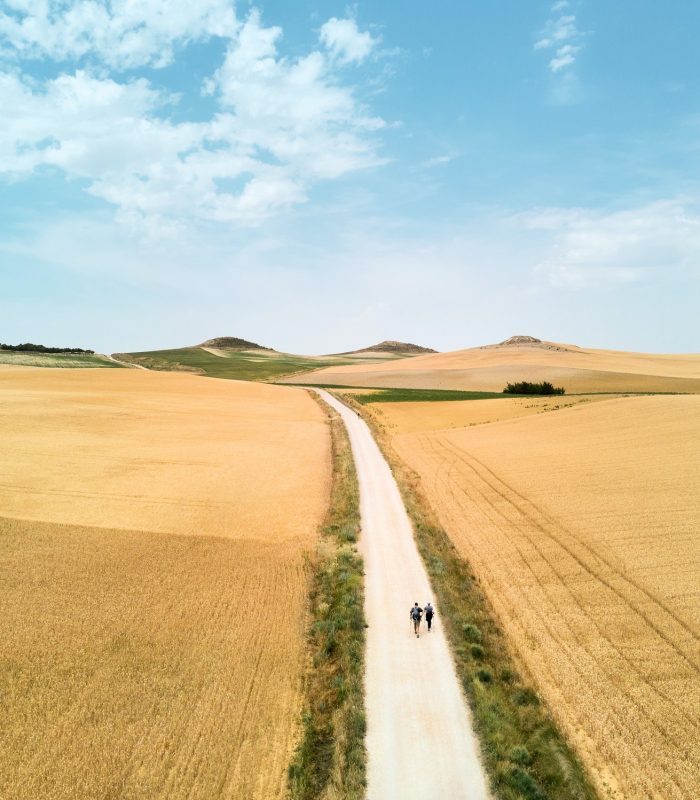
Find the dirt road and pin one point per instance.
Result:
(419, 737)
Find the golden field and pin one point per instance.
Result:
(154, 536)
(582, 526)
(410, 417)
(489, 368)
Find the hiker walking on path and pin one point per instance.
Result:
(429, 611)
(416, 615)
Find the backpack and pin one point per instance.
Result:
(415, 612)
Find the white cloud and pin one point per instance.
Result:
(122, 34)
(560, 34)
(293, 110)
(565, 56)
(346, 42)
(280, 125)
(656, 242)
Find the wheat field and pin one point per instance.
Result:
(411, 417)
(154, 540)
(582, 526)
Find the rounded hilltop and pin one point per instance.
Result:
(521, 340)
(391, 346)
(233, 343)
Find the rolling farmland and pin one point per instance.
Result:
(489, 368)
(154, 534)
(581, 525)
(245, 365)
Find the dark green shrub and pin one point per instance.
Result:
(520, 755)
(525, 387)
(526, 784)
(471, 633)
(477, 651)
(525, 697)
(484, 676)
(507, 676)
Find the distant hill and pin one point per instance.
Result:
(521, 358)
(233, 343)
(392, 347)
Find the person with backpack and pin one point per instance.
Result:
(429, 611)
(416, 614)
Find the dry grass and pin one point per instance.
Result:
(139, 661)
(582, 527)
(490, 368)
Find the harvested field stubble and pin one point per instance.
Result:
(582, 527)
(144, 663)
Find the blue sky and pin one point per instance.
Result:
(317, 176)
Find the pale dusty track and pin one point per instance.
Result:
(419, 738)
(128, 364)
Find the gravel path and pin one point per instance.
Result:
(419, 737)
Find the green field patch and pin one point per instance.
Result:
(242, 365)
(66, 360)
(422, 396)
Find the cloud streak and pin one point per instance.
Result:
(560, 38)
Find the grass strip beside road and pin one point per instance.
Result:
(330, 760)
(525, 755)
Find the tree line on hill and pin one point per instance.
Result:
(28, 347)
